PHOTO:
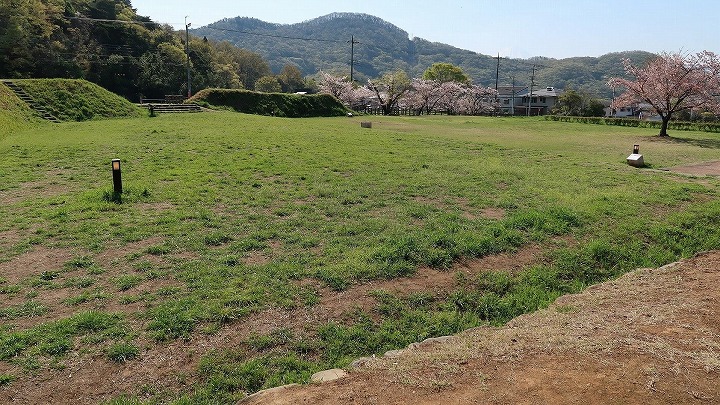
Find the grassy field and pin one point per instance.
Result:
(227, 216)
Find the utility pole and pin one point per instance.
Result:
(512, 105)
(532, 83)
(352, 56)
(497, 72)
(187, 56)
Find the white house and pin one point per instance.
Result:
(641, 111)
(540, 102)
(509, 97)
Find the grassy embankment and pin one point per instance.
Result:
(240, 211)
(78, 100)
(14, 113)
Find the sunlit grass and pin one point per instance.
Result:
(239, 208)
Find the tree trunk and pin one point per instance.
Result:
(664, 127)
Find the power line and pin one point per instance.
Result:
(275, 36)
(114, 21)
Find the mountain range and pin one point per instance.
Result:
(374, 46)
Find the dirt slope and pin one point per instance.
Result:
(650, 337)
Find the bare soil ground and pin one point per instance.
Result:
(651, 336)
(699, 169)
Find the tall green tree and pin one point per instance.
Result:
(29, 36)
(389, 89)
(248, 66)
(446, 72)
(268, 84)
(291, 78)
(163, 71)
(575, 103)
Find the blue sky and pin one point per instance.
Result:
(513, 28)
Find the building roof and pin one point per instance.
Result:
(507, 91)
(544, 92)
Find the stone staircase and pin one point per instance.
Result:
(159, 108)
(39, 109)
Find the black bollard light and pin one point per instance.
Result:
(117, 178)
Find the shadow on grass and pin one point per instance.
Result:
(707, 143)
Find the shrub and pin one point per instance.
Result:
(277, 104)
(631, 122)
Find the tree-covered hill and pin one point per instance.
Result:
(324, 44)
(106, 42)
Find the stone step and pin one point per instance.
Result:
(173, 108)
(20, 93)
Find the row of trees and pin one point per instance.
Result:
(443, 87)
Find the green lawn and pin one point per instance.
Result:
(238, 212)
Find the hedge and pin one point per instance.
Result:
(630, 122)
(277, 104)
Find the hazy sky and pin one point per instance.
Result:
(513, 28)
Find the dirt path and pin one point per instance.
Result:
(699, 169)
(651, 337)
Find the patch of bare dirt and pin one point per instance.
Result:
(699, 169)
(35, 262)
(50, 185)
(651, 337)
(10, 238)
(114, 254)
(426, 280)
(256, 258)
(466, 209)
(492, 213)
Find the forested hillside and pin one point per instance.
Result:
(107, 43)
(324, 44)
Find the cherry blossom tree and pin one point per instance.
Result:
(425, 95)
(334, 85)
(469, 99)
(477, 100)
(454, 92)
(671, 83)
(345, 91)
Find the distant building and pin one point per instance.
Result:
(642, 111)
(624, 112)
(509, 97)
(540, 102)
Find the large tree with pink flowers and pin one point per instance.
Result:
(671, 83)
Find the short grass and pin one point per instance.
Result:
(240, 209)
(16, 115)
